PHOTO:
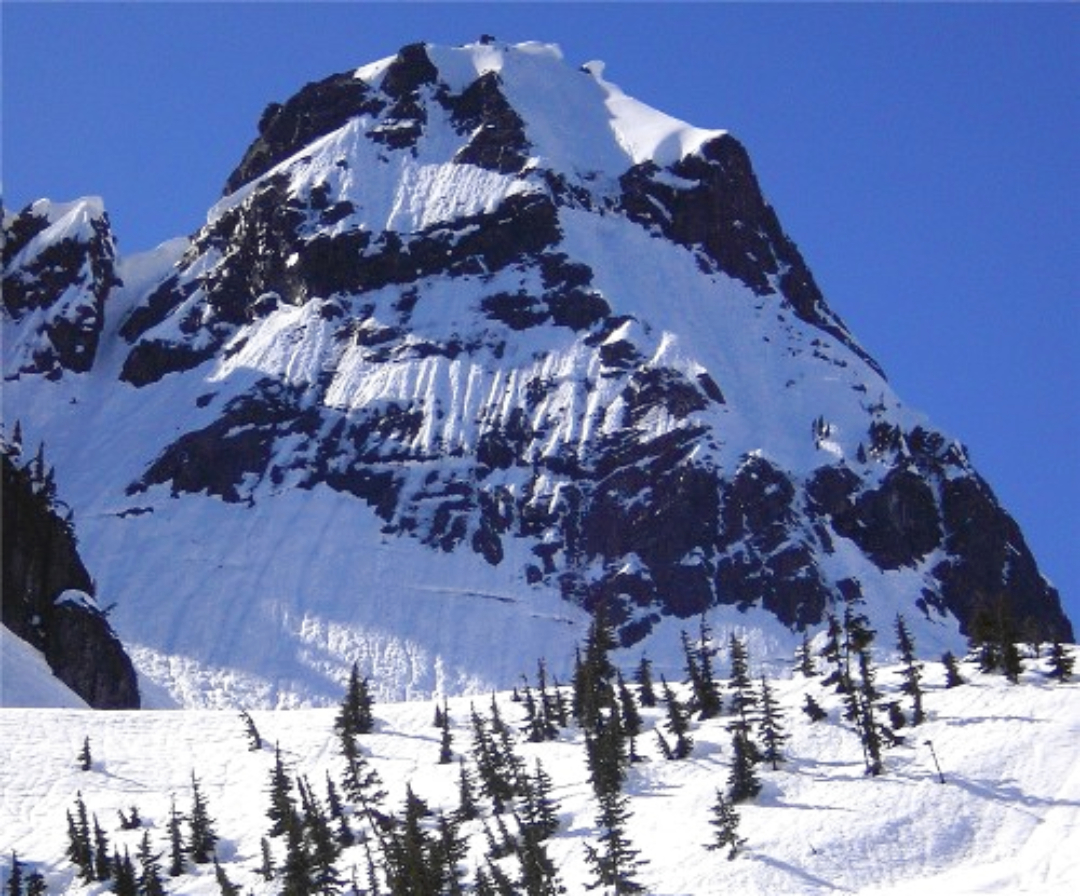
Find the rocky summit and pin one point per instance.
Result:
(473, 343)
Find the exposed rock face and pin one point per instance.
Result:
(58, 269)
(48, 598)
(417, 293)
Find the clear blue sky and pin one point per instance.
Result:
(923, 157)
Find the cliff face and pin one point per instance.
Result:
(48, 597)
(544, 343)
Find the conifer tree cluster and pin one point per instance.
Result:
(190, 838)
(504, 801)
(24, 881)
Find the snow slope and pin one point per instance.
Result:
(1004, 821)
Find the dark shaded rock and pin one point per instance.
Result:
(497, 141)
(517, 311)
(316, 110)
(988, 559)
(897, 524)
(650, 502)
(758, 506)
(661, 387)
(40, 563)
(716, 205)
(70, 279)
(406, 117)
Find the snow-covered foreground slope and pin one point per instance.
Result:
(1004, 821)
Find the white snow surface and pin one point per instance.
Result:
(26, 679)
(1003, 822)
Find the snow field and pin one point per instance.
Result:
(1002, 822)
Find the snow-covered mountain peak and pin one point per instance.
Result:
(472, 343)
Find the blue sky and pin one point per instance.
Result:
(923, 157)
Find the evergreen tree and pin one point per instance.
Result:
(321, 844)
(953, 678)
(643, 679)
(832, 653)
(296, 872)
(693, 672)
(503, 738)
(725, 820)
(594, 673)
(201, 835)
(80, 850)
(499, 883)
(225, 886)
(614, 862)
(538, 875)
(333, 799)
(467, 809)
(124, 880)
(355, 716)
(630, 720)
(411, 856)
(176, 841)
(149, 883)
(552, 716)
(372, 871)
(266, 868)
(559, 710)
(814, 710)
(606, 756)
(337, 813)
(771, 727)
(993, 637)
(361, 782)
(677, 724)
(35, 884)
(804, 658)
(1061, 662)
(102, 861)
(862, 711)
(911, 672)
(743, 698)
(254, 739)
(743, 783)
(540, 810)
(709, 702)
(85, 759)
(496, 768)
(446, 755)
(14, 885)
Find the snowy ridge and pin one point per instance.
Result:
(1002, 821)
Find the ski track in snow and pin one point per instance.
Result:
(1005, 821)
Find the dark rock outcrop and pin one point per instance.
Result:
(58, 287)
(714, 203)
(41, 564)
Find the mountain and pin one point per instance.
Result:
(473, 343)
(1003, 821)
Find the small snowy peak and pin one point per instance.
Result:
(77, 220)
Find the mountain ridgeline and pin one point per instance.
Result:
(475, 341)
